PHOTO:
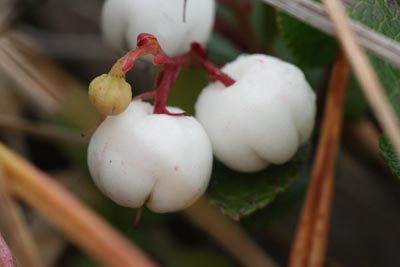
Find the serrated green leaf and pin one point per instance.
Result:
(383, 17)
(310, 46)
(241, 194)
(390, 156)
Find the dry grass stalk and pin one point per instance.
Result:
(16, 229)
(83, 227)
(42, 130)
(26, 75)
(364, 72)
(58, 91)
(311, 236)
(231, 237)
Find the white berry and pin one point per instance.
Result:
(174, 26)
(263, 118)
(138, 158)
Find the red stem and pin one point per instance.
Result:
(199, 54)
(216, 74)
(166, 80)
(148, 44)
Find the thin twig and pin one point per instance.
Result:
(309, 246)
(41, 130)
(8, 44)
(71, 101)
(83, 227)
(313, 14)
(365, 74)
(16, 229)
(6, 257)
(332, 127)
(228, 234)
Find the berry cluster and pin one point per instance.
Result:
(257, 110)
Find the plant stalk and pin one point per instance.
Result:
(309, 246)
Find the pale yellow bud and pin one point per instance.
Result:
(110, 94)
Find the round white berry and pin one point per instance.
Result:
(175, 25)
(139, 157)
(263, 118)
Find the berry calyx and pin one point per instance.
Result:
(110, 94)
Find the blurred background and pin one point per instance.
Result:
(49, 52)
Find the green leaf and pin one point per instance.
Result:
(382, 17)
(390, 156)
(310, 46)
(241, 194)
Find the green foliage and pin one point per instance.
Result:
(241, 194)
(310, 46)
(390, 156)
(382, 17)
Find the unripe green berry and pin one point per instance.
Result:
(110, 94)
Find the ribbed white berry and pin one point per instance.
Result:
(138, 157)
(263, 118)
(174, 27)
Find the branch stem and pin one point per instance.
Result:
(147, 44)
